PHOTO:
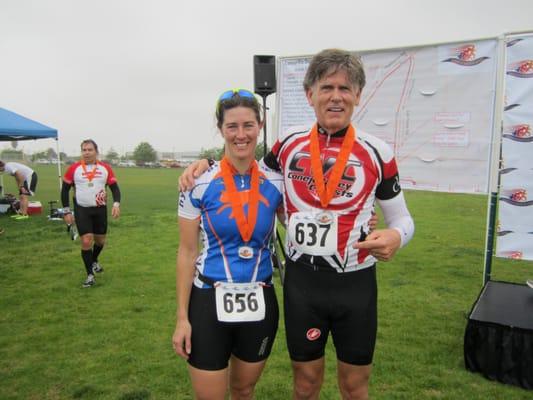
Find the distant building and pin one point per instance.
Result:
(181, 158)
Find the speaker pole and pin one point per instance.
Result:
(264, 97)
(264, 85)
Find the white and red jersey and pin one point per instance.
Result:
(90, 192)
(370, 173)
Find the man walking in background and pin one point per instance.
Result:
(89, 177)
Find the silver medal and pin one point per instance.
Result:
(324, 218)
(246, 252)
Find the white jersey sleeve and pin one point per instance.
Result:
(397, 217)
(189, 202)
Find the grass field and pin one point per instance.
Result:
(113, 341)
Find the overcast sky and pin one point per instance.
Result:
(126, 71)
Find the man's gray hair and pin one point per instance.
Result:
(329, 61)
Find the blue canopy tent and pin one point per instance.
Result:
(16, 127)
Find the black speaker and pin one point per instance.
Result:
(264, 75)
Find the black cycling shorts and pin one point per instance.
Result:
(91, 220)
(319, 301)
(213, 342)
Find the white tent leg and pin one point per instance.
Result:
(58, 163)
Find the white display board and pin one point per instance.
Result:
(432, 104)
(515, 208)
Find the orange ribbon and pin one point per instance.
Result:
(89, 175)
(326, 192)
(245, 225)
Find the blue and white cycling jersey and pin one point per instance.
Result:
(209, 200)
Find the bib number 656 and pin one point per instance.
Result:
(240, 302)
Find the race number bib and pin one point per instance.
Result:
(314, 233)
(240, 302)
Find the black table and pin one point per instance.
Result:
(498, 340)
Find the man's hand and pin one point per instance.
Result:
(193, 171)
(68, 218)
(115, 211)
(381, 244)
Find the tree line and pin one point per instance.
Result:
(143, 153)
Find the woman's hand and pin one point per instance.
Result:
(181, 340)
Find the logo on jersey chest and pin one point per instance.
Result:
(300, 175)
(244, 198)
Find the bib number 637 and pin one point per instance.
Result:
(314, 233)
(311, 234)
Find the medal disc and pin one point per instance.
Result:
(246, 252)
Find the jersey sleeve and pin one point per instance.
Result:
(397, 217)
(271, 159)
(110, 174)
(69, 175)
(389, 186)
(188, 206)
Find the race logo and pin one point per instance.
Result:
(519, 133)
(522, 131)
(521, 69)
(512, 254)
(519, 195)
(516, 197)
(313, 334)
(465, 56)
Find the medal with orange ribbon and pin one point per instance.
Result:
(327, 191)
(245, 224)
(89, 175)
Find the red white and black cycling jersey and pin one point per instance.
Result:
(370, 173)
(90, 186)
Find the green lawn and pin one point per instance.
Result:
(113, 341)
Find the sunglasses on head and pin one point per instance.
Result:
(229, 94)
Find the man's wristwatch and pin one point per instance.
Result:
(116, 204)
